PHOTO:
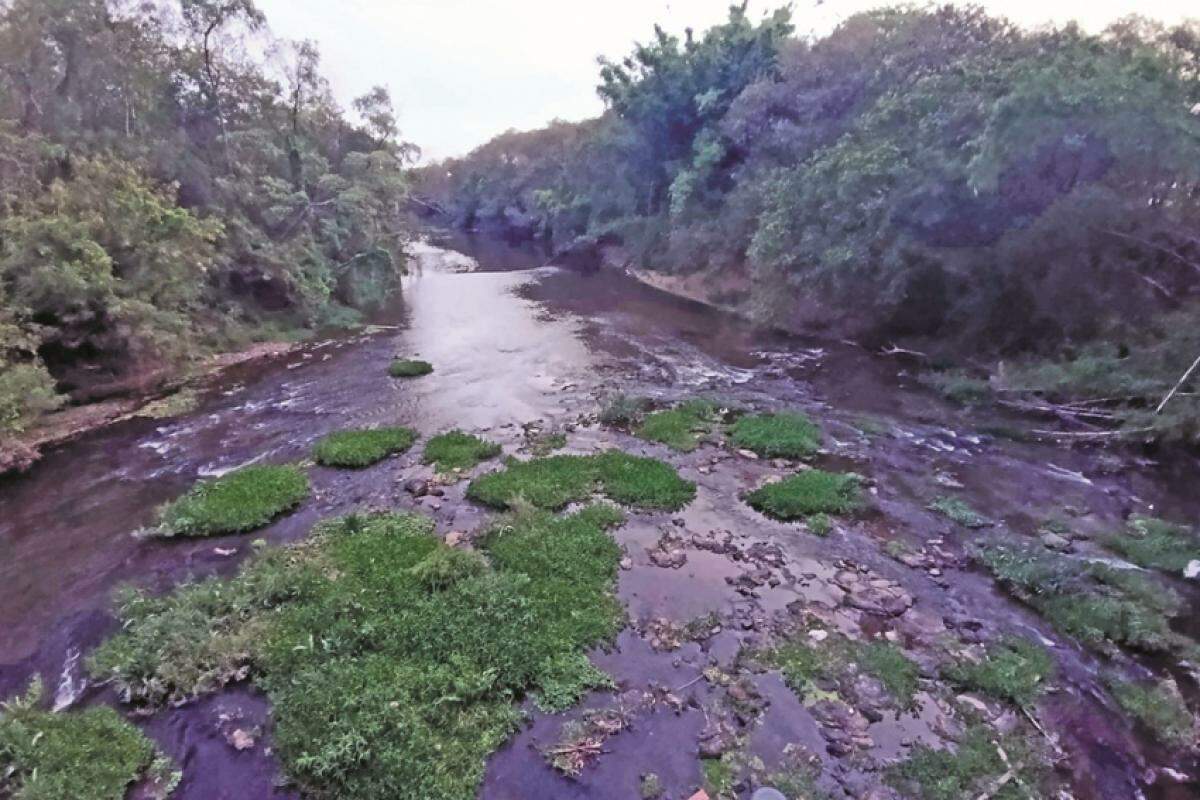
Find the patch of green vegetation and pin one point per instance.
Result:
(782, 435)
(958, 511)
(650, 787)
(798, 782)
(173, 405)
(393, 667)
(94, 753)
(624, 411)
(458, 450)
(409, 368)
(972, 769)
(1094, 604)
(1015, 670)
(681, 428)
(887, 663)
(362, 447)
(800, 663)
(566, 678)
(554, 482)
(958, 386)
(242, 500)
(1156, 544)
(1160, 708)
(806, 494)
(546, 443)
(719, 776)
(872, 425)
(819, 524)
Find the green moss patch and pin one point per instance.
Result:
(458, 450)
(409, 368)
(1096, 604)
(1015, 670)
(958, 511)
(242, 500)
(1156, 544)
(555, 481)
(972, 769)
(958, 386)
(1160, 708)
(94, 753)
(623, 411)
(807, 494)
(803, 664)
(394, 666)
(683, 427)
(782, 435)
(363, 447)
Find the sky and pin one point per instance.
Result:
(462, 71)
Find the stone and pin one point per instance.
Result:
(1192, 570)
(1055, 542)
(240, 739)
(416, 487)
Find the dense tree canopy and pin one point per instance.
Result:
(172, 180)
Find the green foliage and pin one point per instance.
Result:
(783, 435)
(958, 386)
(47, 755)
(393, 663)
(650, 786)
(887, 662)
(555, 481)
(1015, 670)
(26, 391)
(242, 500)
(680, 428)
(623, 411)
(458, 450)
(803, 664)
(566, 679)
(719, 776)
(806, 494)
(1156, 544)
(1096, 605)
(1160, 708)
(958, 510)
(971, 769)
(546, 443)
(363, 447)
(409, 368)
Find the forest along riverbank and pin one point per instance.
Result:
(845, 650)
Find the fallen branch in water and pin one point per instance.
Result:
(1182, 379)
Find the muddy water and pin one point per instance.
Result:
(516, 344)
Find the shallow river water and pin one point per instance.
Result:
(519, 347)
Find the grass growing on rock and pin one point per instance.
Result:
(807, 494)
(362, 447)
(683, 427)
(458, 450)
(1160, 708)
(958, 511)
(1098, 605)
(393, 666)
(409, 368)
(1156, 544)
(803, 664)
(94, 753)
(240, 501)
(1015, 670)
(556, 481)
(782, 435)
(973, 769)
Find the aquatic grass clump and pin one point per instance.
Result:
(804, 664)
(239, 501)
(681, 428)
(556, 481)
(362, 447)
(782, 435)
(458, 450)
(958, 386)
(887, 663)
(394, 665)
(624, 411)
(807, 494)
(1015, 670)
(1160, 708)
(958, 511)
(93, 753)
(409, 368)
(973, 769)
(1156, 544)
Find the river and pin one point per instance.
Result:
(520, 347)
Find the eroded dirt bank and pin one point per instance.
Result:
(520, 350)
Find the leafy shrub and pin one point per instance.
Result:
(806, 494)
(361, 448)
(783, 435)
(409, 368)
(26, 391)
(458, 450)
(243, 500)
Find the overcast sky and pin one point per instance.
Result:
(462, 71)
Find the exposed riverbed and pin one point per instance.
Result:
(520, 348)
